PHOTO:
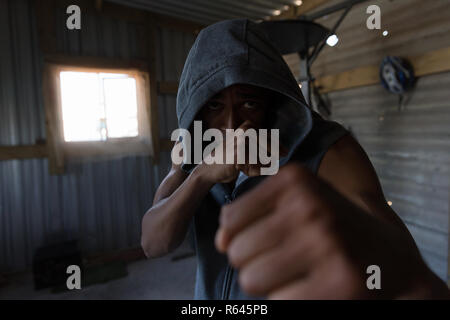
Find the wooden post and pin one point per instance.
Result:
(53, 120)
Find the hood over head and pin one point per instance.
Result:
(239, 52)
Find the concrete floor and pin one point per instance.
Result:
(160, 278)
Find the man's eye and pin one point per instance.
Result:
(250, 105)
(214, 106)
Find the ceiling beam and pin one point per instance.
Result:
(127, 13)
(295, 11)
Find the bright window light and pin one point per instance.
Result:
(332, 40)
(98, 106)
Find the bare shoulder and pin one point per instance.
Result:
(348, 169)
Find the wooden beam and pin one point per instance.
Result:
(112, 147)
(166, 87)
(358, 77)
(296, 11)
(96, 62)
(432, 62)
(23, 152)
(428, 63)
(53, 119)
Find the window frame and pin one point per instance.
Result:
(60, 150)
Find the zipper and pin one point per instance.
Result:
(229, 270)
(227, 283)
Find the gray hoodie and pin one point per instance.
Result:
(232, 52)
(238, 51)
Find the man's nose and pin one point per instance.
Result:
(231, 119)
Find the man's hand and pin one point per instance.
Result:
(295, 237)
(219, 172)
(227, 172)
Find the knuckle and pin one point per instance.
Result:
(248, 283)
(235, 254)
(302, 209)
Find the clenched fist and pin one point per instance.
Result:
(295, 237)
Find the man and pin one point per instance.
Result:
(310, 231)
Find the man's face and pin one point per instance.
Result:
(234, 105)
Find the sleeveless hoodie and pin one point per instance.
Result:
(239, 52)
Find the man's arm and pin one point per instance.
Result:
(165, 224)
(324, 232)
(348, 169)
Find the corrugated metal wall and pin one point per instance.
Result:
(409, 146)
(410, 149)
(101, 203)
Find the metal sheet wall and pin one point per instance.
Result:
(101, 203)
(410, 149)
(409, 146)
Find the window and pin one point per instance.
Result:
(98, 106)
(97, 111)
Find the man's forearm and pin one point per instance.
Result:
(165, 225)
